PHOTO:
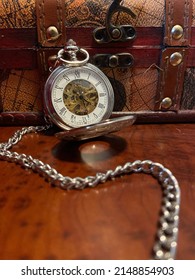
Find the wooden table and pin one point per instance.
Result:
(115, 220)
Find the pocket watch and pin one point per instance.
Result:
(77, 95)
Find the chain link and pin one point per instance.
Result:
(166, 241)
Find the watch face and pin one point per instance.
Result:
(78, 96)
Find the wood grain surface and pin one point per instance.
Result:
(115, 220)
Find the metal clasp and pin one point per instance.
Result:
(121, 60)
(115, 32)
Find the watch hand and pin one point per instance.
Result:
(84, 104)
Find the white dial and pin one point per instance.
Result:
(78, 96)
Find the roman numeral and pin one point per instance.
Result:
(102, 94)
(77, 74)
(66, 77)
(73, 118)
(57, 87)
(58, 100)
(98, 83)
(101, 106)
(84, 120)
(95, 116)
(63, 111)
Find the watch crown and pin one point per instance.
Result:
(71, 42)
(68, 54)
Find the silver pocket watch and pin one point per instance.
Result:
(79, 98)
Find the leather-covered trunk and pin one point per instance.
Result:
(145, 47)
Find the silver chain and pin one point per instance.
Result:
(166, 241)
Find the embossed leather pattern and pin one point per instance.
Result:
(21, 13)
(20, 91)
(134, 89)
(188, 97)
(17, 14)
(93, 13)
